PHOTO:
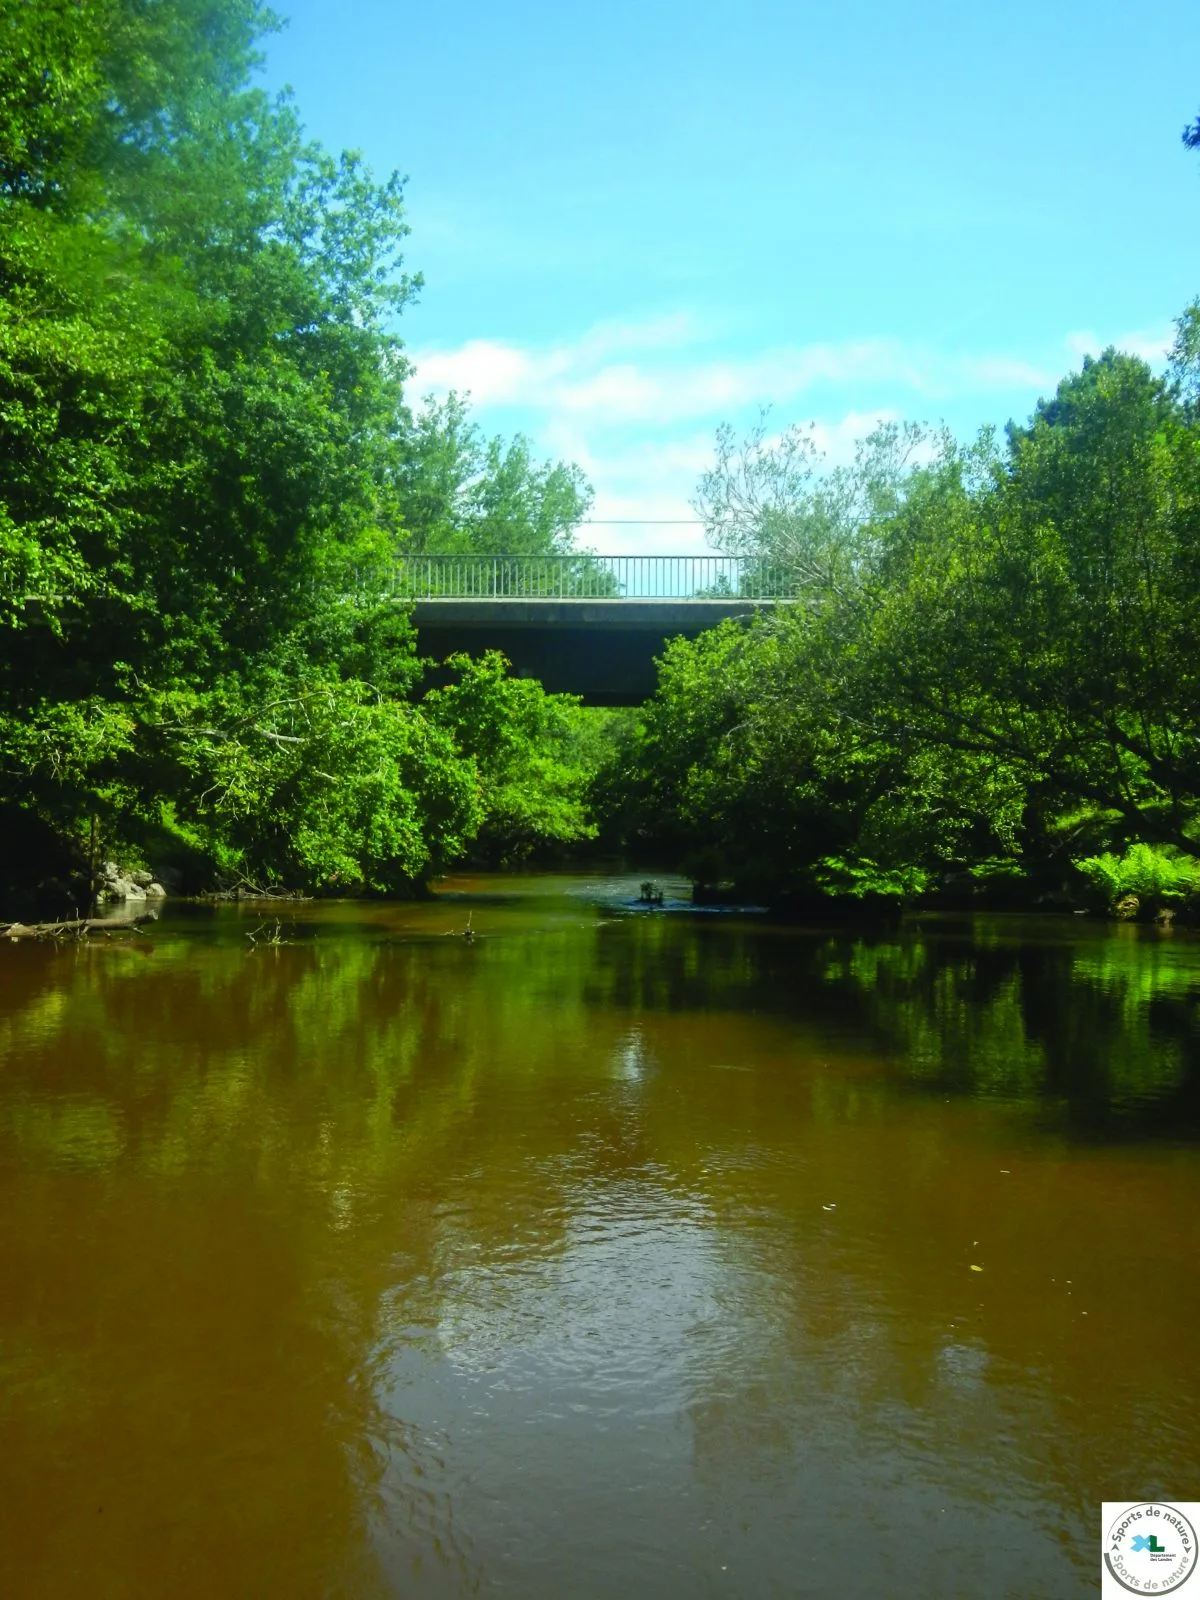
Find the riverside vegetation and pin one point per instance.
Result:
(210, 458)
(991, 687)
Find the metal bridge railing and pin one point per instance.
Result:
(581, 576)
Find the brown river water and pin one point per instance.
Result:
(610, 1253)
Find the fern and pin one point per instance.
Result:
(1153, 873)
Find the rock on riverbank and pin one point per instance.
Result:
(118, 885)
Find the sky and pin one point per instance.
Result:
(637, 222)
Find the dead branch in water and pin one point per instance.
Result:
(76, 927)
(247, 889)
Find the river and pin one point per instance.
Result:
(606, 1253)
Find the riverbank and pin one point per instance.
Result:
(1145, 884)
(867, 911)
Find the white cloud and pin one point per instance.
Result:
(505, 374)
(1152, 346)
(659, 381)
(636, 403)
(495, 374)
(643, 487)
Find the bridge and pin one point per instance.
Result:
(580, 623)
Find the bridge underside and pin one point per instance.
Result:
(603, 650)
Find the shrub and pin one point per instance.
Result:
(1155, 874)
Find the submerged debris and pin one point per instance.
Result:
(265, 934)
(75, 927)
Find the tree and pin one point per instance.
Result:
(1048, 621)
(200, 406)
(772, 503)
(991, 667)
(459, 494)
(533, 753)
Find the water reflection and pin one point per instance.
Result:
(607, 1252)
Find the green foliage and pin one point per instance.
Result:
(208, 463)
(1045, 617)
(992, 659)
(1156, 875)
(772, 503)
(748, 770)
(330, 786)
(532, 752)
(862, 879)
(458, 493)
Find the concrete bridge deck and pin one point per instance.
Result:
(581, 623)
(603, 650)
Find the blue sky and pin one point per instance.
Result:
(638, 221)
